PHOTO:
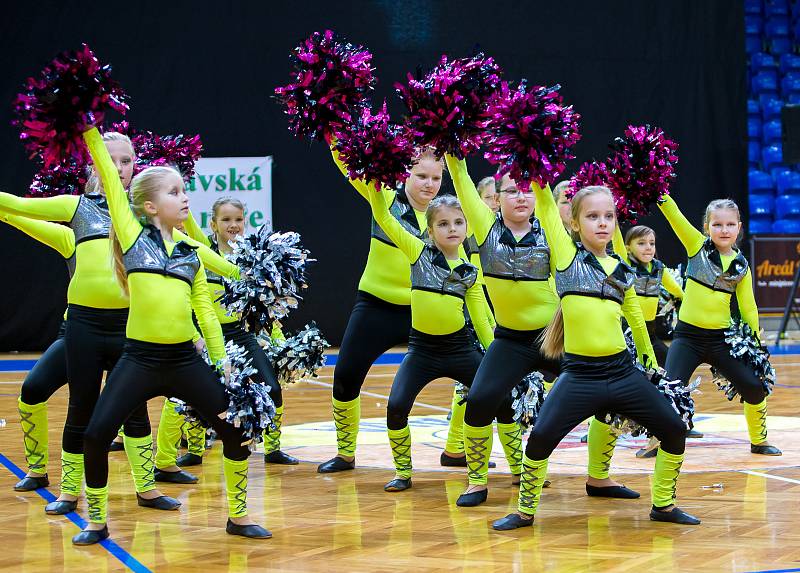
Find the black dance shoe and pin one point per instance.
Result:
(674, 515)
(336, 464)
(30, 483)
(616, 491)
(174, 477)
(452, 462)
(511, 521)
(762, 450)
(473, 498)
(189, 460)
(115, 447)
(398, 484)
(252, 531)
(60, 507)
(282, 458)
(162, 502)
(90, 537)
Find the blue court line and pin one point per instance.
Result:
(108, 544)
(776, 571)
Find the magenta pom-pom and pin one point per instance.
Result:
(376, 150)
(330, 82)
(531, 133)
(641, 169)
(71, 94)
(180, 151)
(589, 173)
(68, 178)
(447, 109)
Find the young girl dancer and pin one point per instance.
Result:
(439, 344)
(517, 265)
(166, 282)
(597, 374)
(95, 329)
(717, 271)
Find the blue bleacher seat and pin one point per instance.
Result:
(781, 45)
(787, 207)
(774, 8)
(789, 63)
(759, 226)
(765, 81)
(753, 109)
(772, 156)
(790, 84)
(754, 127)
(752, 6)
(771, 132)
(753, 44)
(762, 61)
(753, 25)
(770, 106)
(760, 182)
(753, 153)
(796, 28)
(788, 183)
(786, 226)
(761, 206)
(776, 27)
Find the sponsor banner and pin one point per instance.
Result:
(248, 179)
(774, 262)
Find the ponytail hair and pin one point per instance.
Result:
(552, 339)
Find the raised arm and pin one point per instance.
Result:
(61, 208)
(210, 259)
(619, 244)
(410, 245)
(126, 227)
(633, 314)
(477, 308)
(207, 318)
(357, 184)
(747, 302)
(56, 236)
(195, 231)
(672, 285)
(480, 217)
(562, 247)
(691, 238)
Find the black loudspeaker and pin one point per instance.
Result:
(790, 122)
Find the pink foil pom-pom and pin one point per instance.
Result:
(589, 173)
(68, 178)
(329, 86)
(376, 150)
(531, 133)
(180, 151)
(447, 108)
(71, 94)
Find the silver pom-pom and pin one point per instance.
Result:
(462, 392)
(299, 356)
(272, 276)
(528, 398)
(746, 347)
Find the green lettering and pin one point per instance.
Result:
(254, 180)
(205, 181)
(256, 217)
(235, 180)
(204, 220)
(222, 185)
(191, 185)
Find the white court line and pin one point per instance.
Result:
(374, 395)
(781, 478)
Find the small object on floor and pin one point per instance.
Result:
(453, 462)
(60, 507)
(511, 521)
(585, 438)
(252, 531)
(181, 477)
(397, 484)
(473, 498)
(693, 434)
(713, 486)
(650, 450)
(764, 450)
(90, 537)
(336, 464)
(613, 491)
(31, 483)
(189, 459)
(162, 502)
(281, 458)
(675, 515)
(116, 447)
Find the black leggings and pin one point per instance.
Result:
(430, 357)
(236, 333)
(658, 345)
(374, 327)
(692, 346)
(48, 374)
(93, 339)
(146, 370)
(591, 386)
(512, 356)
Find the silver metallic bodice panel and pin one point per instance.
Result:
(432, 273)
(404, 213)
(705, 267)
(647, 283)
(585, 276)
(149, 255)
(91, 219)
(503, 257)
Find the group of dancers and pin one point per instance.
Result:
(559, 276)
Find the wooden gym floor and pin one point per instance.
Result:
(346, 522)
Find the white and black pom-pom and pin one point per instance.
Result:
(250, 406)
(462, 391)
(746, 347)
(528, 398)
(272, 276)
(299, 356)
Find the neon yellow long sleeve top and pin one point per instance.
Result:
(649, 304)
(93, 284)
(518, 305)
(161, 306)
(591, 325)
(432, 312)
(56, 236)
(704, 307)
